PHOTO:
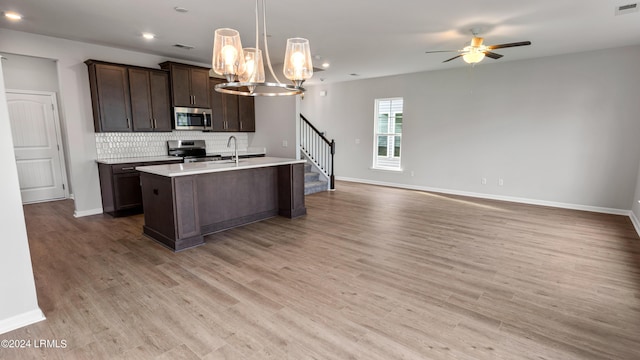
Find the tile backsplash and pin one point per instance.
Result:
(136, 144)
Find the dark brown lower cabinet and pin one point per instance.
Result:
(120, 187)
(127, 194)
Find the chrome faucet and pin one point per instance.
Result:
(235, 150)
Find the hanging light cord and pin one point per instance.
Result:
(257, 32)
(266, 45)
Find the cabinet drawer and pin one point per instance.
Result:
(131, 167)
(125, 168)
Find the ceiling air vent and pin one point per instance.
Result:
(183, 46)
(626, 9)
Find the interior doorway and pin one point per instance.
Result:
(37, 141)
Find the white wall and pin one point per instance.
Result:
(75, 98)
(18, 302)
(561, 129)
(30, 73)
(635, 210)
(276, 121)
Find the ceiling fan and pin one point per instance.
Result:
(476, 50)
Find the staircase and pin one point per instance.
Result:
(312, 181)
(319, 152)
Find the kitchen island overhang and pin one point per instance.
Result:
(184, 202)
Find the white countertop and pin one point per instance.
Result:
(138, 159)
(248, 152)
(240, 153)
(171, 170)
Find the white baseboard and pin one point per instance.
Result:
(21, 320)
(87, 212)
(494, 197)
(635, 221)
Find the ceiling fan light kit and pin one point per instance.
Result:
(244, 70)
(476, 51)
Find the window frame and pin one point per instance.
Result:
(391, 125)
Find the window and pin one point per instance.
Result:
(388, 134)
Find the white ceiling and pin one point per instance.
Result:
(364, 37)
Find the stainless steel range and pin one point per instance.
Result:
(190, 150)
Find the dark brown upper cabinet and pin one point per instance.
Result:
(246, 114)
(150, 102)
(110, 97)
(189, 84)
(232, 113)
(129, 98)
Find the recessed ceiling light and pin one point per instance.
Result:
(13, 16)
(180, 9)
(148, 36)
(325, 64)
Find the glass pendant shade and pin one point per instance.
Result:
(297, 61)
(228, 58)
(254, 68)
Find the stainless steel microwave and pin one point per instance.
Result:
(185, 118)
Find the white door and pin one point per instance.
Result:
(37, 143)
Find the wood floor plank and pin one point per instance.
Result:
(370, 273)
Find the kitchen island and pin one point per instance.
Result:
(185, 202)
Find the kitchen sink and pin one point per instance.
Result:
(230, 161)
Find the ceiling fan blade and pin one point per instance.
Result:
(493, 55)
(453, 58)
(502, 46)
(439, 51)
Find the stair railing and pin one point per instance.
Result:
(318, 149)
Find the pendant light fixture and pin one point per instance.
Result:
(244, 68)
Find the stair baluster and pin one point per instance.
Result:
(318, 149)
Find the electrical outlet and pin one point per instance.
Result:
(500, 182)
(357, 141)
(412, 174)
(483, 181)
(285, 143)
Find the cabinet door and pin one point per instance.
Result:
(112, 90)
(246, 114)
(225, 109)
(230, 106)
(180, 88)
(127, 191)
(216, 106)
(141, 111)
(199, 87)
(160, 102)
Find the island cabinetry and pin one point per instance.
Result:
(110, 97)
(172, 215)
(120, 187)
(189, 85)
(232, 113)
(150, 102)
(181, 210)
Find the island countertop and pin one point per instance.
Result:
(172, 170)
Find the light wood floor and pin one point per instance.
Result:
(370, 273)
